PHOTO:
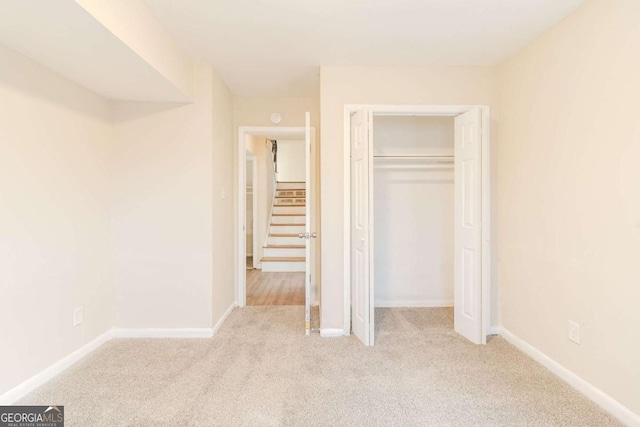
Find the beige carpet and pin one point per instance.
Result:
(260, 370)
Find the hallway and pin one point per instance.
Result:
(274, 288)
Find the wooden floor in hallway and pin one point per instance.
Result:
(274, 288)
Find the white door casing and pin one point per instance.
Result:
(468, 226)
(361, 209)
(471, 320)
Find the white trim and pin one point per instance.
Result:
(21, 390)
(223, 318)
(254, 212)
(414, 303)
(45, 375)
(427, 110)
(605, 401)
(485, 244)
(163, 333)
(494, 330)
(346, 178)
(331, 333)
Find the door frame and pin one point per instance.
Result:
(240, 240)
(250, 158)
(425, 110)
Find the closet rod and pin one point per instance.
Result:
(383, 156)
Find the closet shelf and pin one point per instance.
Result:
(413, 162)
(414, 157)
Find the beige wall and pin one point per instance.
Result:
(255, 111)
(135, 26)
(55, 156)
(172, 168)
(223, 208)
(370, 85)
(568, 205)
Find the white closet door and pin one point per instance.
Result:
(362, 319)
(468, 211)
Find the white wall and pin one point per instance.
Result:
(291, 161)
(172, 209)
(413, 235)
(249, 205)
(413, 212)
(377, 85)
(55, 153)
(263, 186)
(568, 205)
(401, 135)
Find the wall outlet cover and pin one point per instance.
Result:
(574, 332)
(77, 316)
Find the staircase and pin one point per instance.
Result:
(284, 250)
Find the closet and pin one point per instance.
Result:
(419, 214)
(413, 204)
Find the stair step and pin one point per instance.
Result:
(288, 240)
(287, 224)
(297, 196)
(290, 204)
(288, 220)
(283, 259)
(283, 234)
(284, 246)
(286, 229)
(290, 186)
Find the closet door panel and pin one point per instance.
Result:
(361, 286)
(468, 260)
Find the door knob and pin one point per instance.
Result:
(308, 235)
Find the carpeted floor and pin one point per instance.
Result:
(260, 370)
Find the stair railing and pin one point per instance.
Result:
(274, 168)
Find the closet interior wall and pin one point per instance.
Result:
(413, 180)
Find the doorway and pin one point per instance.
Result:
(413, 264)
(283, 242)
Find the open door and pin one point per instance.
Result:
(468, 226)
(307, 221)
(362, 311)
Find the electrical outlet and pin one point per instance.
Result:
(574, 332)
(77, 316)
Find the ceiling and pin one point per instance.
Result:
(275, 47)
(65, 38)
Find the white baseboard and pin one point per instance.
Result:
(45, 375)
(605, 401)
(220, 321)
(414, 303)
(163, 333)
(494, 330)
(37, 380)
(329, 333)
